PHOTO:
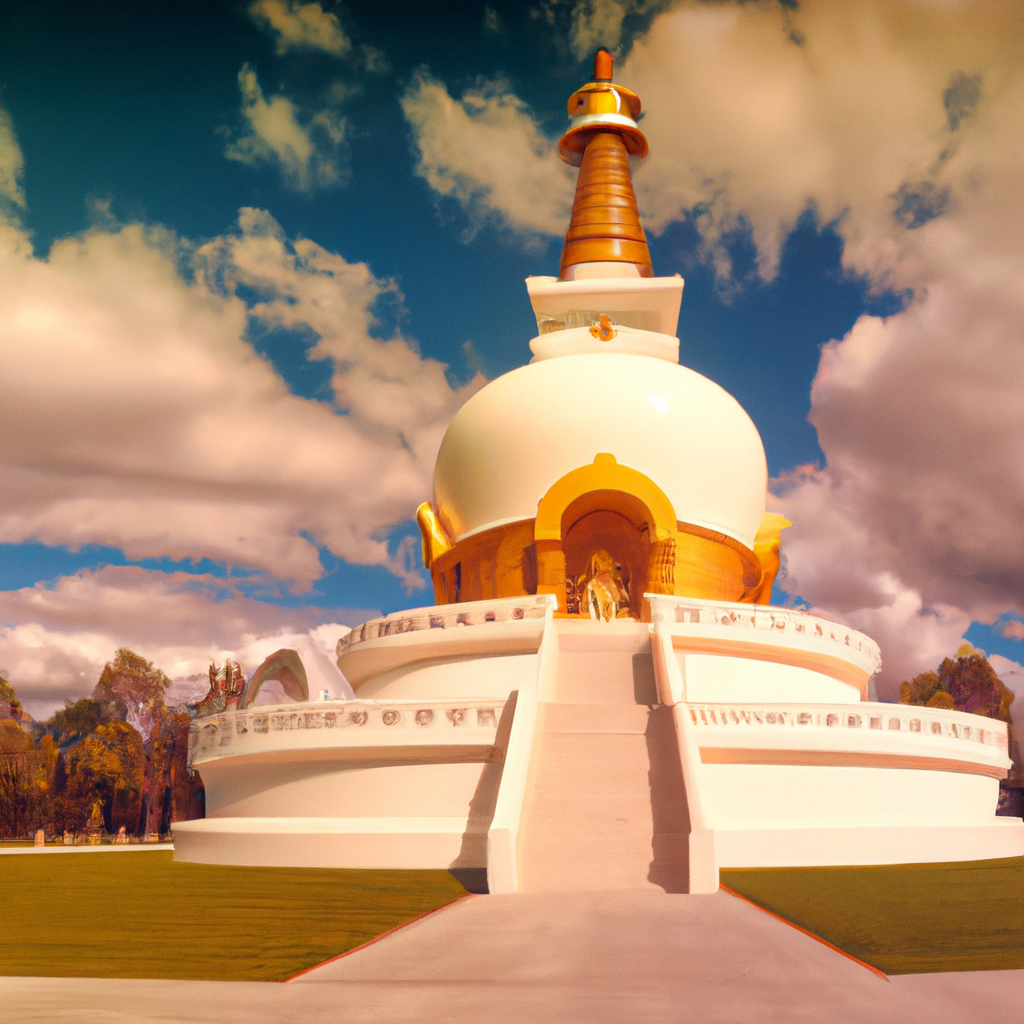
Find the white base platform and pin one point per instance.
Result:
(893, 844)
(601, 771)
(418, 843)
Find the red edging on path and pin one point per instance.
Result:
(384, 935)
(817, 938)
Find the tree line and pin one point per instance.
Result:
(117, 759)
(967, 682)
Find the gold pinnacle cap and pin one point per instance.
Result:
(605, 225)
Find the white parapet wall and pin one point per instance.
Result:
(787, 785)
(787, 782)
(784, 763)
(435, 651)
(406, 776)
(400, 784)
(729, 651)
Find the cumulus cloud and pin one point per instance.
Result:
(299, 26)
(55, 638)
(308, 148)
(11, 166)
(1013, 628)
(597, 23)
(756, 113)
(587, 25)
(138, 415)
(486, 152)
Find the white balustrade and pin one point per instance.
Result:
(933, 723)
(449, 616)
(344, 723)
(763, 618)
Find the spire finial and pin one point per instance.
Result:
(605, 226)
(603, 62)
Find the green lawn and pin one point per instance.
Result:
(143, 915)
(903, 919)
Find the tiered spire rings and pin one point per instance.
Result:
(605, 226)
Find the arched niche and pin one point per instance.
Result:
(603, 507)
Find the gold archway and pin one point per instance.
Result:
(592, 504)
(603, 474)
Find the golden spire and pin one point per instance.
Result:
(605, 225)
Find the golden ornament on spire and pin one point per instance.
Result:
(605, 226)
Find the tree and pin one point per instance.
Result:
(8, 697)
(59, 817)
(966, 682)
(921, 689)
(133, 682)
(16, 757)
(76, 719)
(974, 686)
(108, 768)
(120, 750)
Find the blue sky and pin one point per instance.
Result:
(257, 254)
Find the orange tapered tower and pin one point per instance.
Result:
(605, 238)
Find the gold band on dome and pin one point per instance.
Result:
(605, 225)
(542, 556)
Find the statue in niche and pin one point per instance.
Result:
(601, 592)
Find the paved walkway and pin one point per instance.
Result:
(580, 958)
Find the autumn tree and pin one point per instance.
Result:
(966, 682)
(76, 719)
(60, 814)
(16, 760)
(108, 767)
(974, 686)
(10, 698)
(121, 751)
(925, 691)
(133, 682)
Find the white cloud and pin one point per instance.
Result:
(587, 25)
(138, 415)
(1014, 629)
(745, 123)
(55, 638)
(486, 152)
(493, 25)
(11, 166)
(308, 149)
(299, 26)
(596, 23)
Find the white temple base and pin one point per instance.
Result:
(602, 771)
(416, 843)
(893, 844)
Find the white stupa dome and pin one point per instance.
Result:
(524, 431)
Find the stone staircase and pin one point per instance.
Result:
(605, 805)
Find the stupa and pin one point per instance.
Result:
(602, 695)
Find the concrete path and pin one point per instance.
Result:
(579, 958)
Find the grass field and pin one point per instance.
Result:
(904, 919)
(143, 915)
